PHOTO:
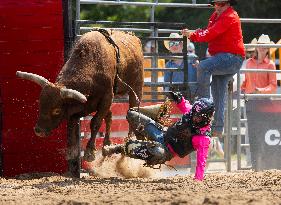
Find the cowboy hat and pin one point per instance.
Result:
(173, 35)
(232, 2)
(264, 39)
(254, 41)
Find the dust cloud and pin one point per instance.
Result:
(118, 165)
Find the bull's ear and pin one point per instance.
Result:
(74, 94)
(33, 77)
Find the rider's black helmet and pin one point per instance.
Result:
(232, 2)
(202, 112)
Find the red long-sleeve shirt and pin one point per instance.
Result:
(223, 34)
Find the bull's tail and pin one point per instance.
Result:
(136, 96)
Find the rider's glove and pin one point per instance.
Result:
(175, 96)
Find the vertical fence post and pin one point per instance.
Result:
(185, 66)
(239, 122)
(68, 28)
(229, 125)
(154, 61)
(77, 29)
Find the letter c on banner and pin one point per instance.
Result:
(272, 137)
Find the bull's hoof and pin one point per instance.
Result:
(89, 155)
(106, 142)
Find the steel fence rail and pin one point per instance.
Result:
(87, 29)
(260, 95)
(259, 71)
(262, 45)
(124, 23)
(161, 84)
(166, 69)
(255, 20)
(128, 3)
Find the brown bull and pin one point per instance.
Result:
(88, 82)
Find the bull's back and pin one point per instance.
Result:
(130, 47)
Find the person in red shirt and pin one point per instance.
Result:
(260, 82)
(225, 45)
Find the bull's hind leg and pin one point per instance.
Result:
(108, 122)
(96, 121)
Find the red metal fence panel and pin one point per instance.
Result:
(32, 40)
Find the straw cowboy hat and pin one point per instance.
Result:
(174, 35)
(264, 39)
(254, 41)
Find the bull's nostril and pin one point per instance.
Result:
(37, 130)
(40, 132)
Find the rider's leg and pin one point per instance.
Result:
(108, 150)
(150, 151)
(144, 126)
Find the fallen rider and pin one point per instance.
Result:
(188, 134)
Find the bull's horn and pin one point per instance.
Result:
(69, 93)
(33, 77)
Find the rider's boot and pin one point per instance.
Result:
(112, 149)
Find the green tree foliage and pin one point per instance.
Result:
(115, 13)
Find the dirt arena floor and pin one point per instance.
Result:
(120, 180)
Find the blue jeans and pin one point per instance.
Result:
(221, 67)
(135, 119)
(154, 132)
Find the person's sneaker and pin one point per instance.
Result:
(217, 134)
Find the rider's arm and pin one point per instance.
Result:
(201, 145)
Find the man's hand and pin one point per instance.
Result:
(175, 96)
(196, 64)
(186, 32)
(258, 91)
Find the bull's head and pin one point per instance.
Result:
(52, 108)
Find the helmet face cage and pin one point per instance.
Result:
(202, 112)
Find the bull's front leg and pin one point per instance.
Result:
(89, 154)
(73, 151)
(103, 110)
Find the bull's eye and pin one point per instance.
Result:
(56, 111)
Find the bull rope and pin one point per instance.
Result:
(110, 40)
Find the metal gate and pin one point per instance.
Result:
(242, 98)
(155, 29)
